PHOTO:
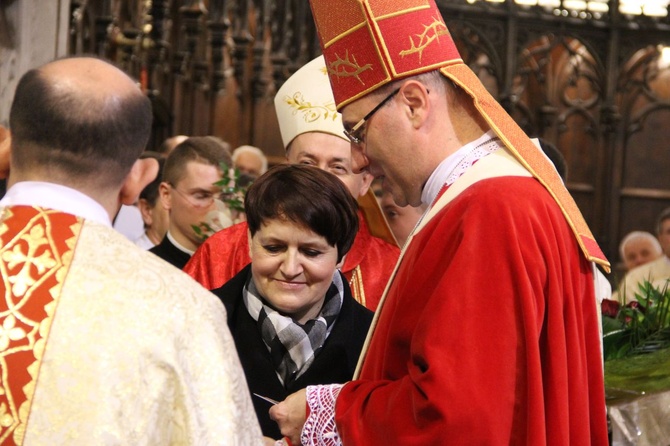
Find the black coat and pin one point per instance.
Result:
(170, 253)
(335, 362)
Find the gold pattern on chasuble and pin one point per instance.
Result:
(348, 67)
(35, 254)
(431, 33)
(356, 285)
(311, 112)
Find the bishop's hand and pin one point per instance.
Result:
(290, 415)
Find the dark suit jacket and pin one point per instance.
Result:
(335, 363)
(170, 253)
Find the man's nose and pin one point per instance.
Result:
(359, 162)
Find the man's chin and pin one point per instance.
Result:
(399, 199)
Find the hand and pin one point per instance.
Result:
(267, 441)
(290, 415)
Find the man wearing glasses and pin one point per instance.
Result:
(488, 331)
(188, 193)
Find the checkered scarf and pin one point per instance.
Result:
(293, 346)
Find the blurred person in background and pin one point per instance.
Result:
(188, 192)
(250, 160)
(155, 216)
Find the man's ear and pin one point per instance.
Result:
(143, 172)
(366, 181)
(5, 151)
(146, 210)
(164, 195)
(416, 96)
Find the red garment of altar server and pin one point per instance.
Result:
(367, 266)
(514, 329)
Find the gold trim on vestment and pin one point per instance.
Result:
(356, 285)
(557, 191)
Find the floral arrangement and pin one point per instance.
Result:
(640, 326)
(637, 365)
(229, 205)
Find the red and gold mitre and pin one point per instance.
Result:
(369, 43)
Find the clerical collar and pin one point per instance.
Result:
(450, 165)
(57, 197)
(178, 245)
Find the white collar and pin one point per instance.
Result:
(439, 176)
(58, 197)
(178, 245)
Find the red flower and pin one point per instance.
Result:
(609, 307)
(635, 305)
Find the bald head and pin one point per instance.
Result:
(78, 121)
(91, 78)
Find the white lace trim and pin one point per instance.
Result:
(479, 152)
(320, 428)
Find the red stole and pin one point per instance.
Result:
(37, 249)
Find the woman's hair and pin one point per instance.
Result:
(307, 196)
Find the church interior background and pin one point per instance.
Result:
(590, 76)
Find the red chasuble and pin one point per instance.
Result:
(488, 334)
(35, 254)
(367, 266)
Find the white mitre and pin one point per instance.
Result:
(305, 103)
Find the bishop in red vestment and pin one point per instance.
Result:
(488, 332)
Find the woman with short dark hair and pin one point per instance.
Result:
(290, 311)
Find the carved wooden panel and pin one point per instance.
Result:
(642, 179)
(590, 83)
(560, 86)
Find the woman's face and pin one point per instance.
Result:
(292, 267)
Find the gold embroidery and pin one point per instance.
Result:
(10, 332)
(430, 34)
(6, 418)
(348, 67)
(356, 285)
(35, 239)
(311, 112)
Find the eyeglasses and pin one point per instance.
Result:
(199, 198)
(355, 135)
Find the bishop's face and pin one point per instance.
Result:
(385, 147)
(330, 153)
